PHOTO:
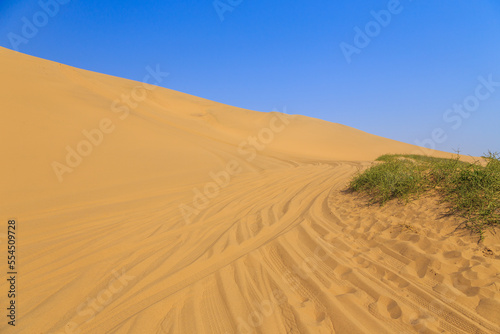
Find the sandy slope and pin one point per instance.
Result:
(190, 216)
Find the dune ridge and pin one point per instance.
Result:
(186, 215)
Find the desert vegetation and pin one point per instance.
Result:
(470, 190)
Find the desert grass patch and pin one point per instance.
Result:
(471, 190)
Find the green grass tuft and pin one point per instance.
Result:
(472, 190)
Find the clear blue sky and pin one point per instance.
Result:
(266, 55)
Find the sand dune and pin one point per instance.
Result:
(145, 210)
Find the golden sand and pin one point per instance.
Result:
(145, 210)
